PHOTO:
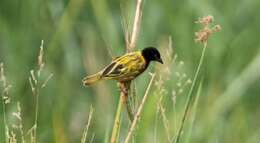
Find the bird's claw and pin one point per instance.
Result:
(123, 88)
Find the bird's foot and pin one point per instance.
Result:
(123, 88)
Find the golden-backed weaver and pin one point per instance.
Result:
(127, 67)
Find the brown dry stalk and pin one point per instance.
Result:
(116, 127)
(139, 111)
(124, 92)
(124, 88)
(130, 46)
(137, 25)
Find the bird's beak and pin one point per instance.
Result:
(160, 61)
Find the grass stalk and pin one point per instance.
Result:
(189, 101)
(123, 94)
(5, 100)
(36, 114)
(136, 26)
(6, 128)
(36, 85)
(129, 110)
(20, 124)
(139, 111)
(116, 126)
(165, 122)
(85, 133)
(195, 105)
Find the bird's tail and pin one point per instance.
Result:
(88, 80)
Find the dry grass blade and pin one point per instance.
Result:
(129, 47)
(137, 25)
(40, 59)
(5, 100)
(129, 110)
(139, 111)
(85, 133)
(125, 26)
(116, 127)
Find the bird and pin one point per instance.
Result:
(127, 67)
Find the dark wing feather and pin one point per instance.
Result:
(117, 70)
(126, 67)
(108, 68)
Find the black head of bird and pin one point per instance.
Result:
(151, 54)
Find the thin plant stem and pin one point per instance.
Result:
(6, 129)
(139, 111)
(36, 86)
(129, 47)
(195, 105)
(85, 133)
(92, 138)
(4, 94)
(165, 122)
(129, 110)
(36, 114)
(188, 102)
(137, 24)
(20, 119)
(117, 120)
(156, 124)
(174, 115)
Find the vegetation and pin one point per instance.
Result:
(203, 93)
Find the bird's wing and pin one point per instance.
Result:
(127, 66)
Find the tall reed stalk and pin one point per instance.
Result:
(201, 36)
(188, 101)
(130, 45)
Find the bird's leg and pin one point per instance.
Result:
(125, 87)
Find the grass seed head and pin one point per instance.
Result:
(203, 34)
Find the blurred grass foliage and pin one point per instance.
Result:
(80, 37)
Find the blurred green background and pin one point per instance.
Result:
(81, 35)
